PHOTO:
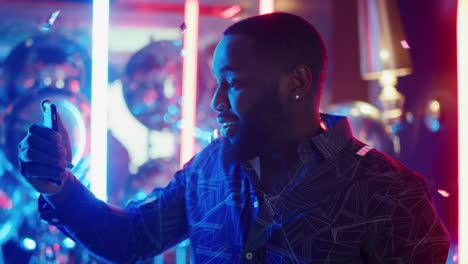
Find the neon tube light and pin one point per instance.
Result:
(98, 155)
(462, 54)
(266, 6)
(231, 12)
(189, 82)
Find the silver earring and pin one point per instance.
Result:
(297, 96)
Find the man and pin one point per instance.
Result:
(284, 184)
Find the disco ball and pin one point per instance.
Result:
(46, 61)
(152, 86)
(366, 123)
(74, 110)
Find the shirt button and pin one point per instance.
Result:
(255, 204)
(55, 220)
(248, 255)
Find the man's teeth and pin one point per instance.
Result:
(228, 124)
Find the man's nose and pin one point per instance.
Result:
(220, 101)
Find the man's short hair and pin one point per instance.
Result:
(285, 37)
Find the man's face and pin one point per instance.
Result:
(246, 96)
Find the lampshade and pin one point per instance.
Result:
(382, 41)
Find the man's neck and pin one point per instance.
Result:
(283, 151)
(277, 161)
(287, 141)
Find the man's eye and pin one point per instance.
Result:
(233, 84)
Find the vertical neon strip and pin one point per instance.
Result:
(189, 83)
(462, 55)
(98, 163)
(266, 6)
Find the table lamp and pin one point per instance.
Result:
(384, 54)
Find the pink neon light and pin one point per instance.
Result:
(462, 55)
(189, 82)
(404, 44)
(266, 6)
(231, 12)
(444, 193)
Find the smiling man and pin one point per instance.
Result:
(283, 185)
(265, 91)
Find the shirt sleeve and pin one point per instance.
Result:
(408, 229)
(143, 229)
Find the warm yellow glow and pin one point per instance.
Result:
(60, 84)
(462, 44)
(388, 78)
(384, 54)
(388, 81)
(434, 106)
(392, 114)
(266, 6)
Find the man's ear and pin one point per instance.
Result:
(300, 81)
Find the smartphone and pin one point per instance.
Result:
(49, 111)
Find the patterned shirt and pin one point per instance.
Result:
(342, 202)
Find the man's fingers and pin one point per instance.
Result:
(45, 133)
(36, 170)
(35, 156)
(36, 142)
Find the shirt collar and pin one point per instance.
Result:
(330, 142)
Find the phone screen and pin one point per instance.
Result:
(49, 111)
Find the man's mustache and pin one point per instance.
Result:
(228, 116)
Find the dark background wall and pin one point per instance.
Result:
(431, 30)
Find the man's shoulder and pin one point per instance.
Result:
(380, 169)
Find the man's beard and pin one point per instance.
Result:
(248, 142)
(255, 130)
